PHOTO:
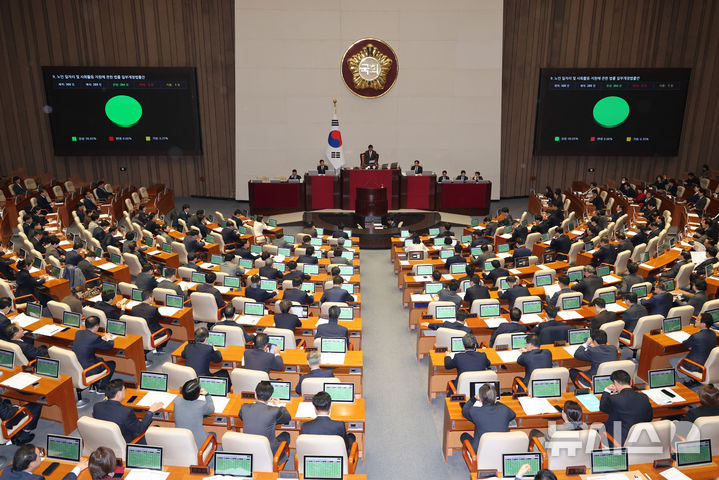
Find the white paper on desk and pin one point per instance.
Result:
(677, 249)
(569, 315)
(168, 311)
(305, 410)
(630, 233)
(494, 322)
(686, 244)
(22, 320)
(154, 397)
(506, 235)
(674, 474)
(48, 330)
(94, 299)
(571, 349)
(678, 336)
(422, 278)
(509, 356)
(592, 251)
(217, 230)
(542, 266)
(207, 265)
(332, 358)
(447, 276)
(421, 297)
(661, 398)
(20, 380)
(536, 406)
(64, 244)
(220, 404)
(515, 271)
(106, 266)
(34, 269)
(698, 257)
(145, 474)
(436, 247)
(131, 304)
(186, 285)
(223, 289)
(248, 319)
(153, 252)
(530, 318)
(647, 266)
(615, 307)
(611, 279)
(550, 290)
(577, 232)
(504, 255)
(404, 263)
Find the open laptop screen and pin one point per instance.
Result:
(577, 336)
(610, 460)
(600, 383)
(512, 462)
(547, 388)
(662, 378)
(672, 324)
(144, 456)
(323, 468)
(63, 448)
(153, 381)
(216, 386)
(445, 312)
(697, 452)
(47, 367)
(340, 392)
(233, 464)
(7, 359)
(571, 303)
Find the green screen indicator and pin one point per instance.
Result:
(74, 139)
(610, 112)
(123, 110)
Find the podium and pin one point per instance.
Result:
(371, 202)
(353, 179)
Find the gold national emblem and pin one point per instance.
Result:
(369, 68)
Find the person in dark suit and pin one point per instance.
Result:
(243, 252)
(26, 284)
(322, 168)
(332, 329)
(708, 404)
(624, 406)
(323, 424)
(458, 324)
(596, 351)
(444, 177)
(700, 344)
(631, 278)
(468, 361)
(256, 293)
(16, 187)
(208, 287)
(589, 283)
(462, 177)
(268, 271)
(228, 320)
(521, 251)
(294, 175)
(563, 282)
(5, 307)
(87, 342)
(15, 335)
(168, 283)
(632, 314)
(513, 326)
(285, 319)
(602, 314)
(597, 201)
(192, 242)
(263, 416)
(660, 302)
(514, 291)
(492, 416)
(198, 221)
(702, 202)
(308, 257)
(699, 298)
(199, 355)
(264, 357)
(533, 357)
(112, 410)
(296, 294)
(519, 235)
(184, 213)
(456, 258)
(9, 410)
(478, 240)
(292, 272)
(417, 168)
(605, 254)
(148, 311)
(336, 293)
(145, 280)
(313, 360)
(89, 203)
(449, 293)
(497, 272)
(711, 253)
(640, 237)
(371, 157)
(27, 459)
(476, 290)
(229, 235)
(111, 311)
(550, 313)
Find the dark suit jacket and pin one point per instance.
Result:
(588, 285)
(477, 292)
(336, 294)
(287, 320)
(508, 327)
(324, 425)
(4, 323)
(261, 419)
(145, 281)
(606, 254)
(470, 361)
(555, 298)
(85, 345)
(166, 284)
(124, 417)
(597, 355)
(626, 407)
(632, 315)
(512, 294)
(297, 295)
(150, 313)
(447, 295)
(533, 359)
(639, 238)
(497, 273)
(697, 301)
(601, 318)
(316, 373)
(199, 355)
(191, 245)
(552, 333)
(452, 325)
(29, 350)
(487, 418)
(700, 344)
(271, 272)
(628, 281)
(659, 304)
(296, 274)
(321, 169)
(307, 259)
(26, 283)
(454, 259)
(521, 252)
(261, 360)
(417, 169)
(111, 311)
(332, 330)
(207, 288)
(257, 294)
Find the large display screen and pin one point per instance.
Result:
(123, 110)
(618, 111)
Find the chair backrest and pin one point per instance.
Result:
(574, 250)
(520, 301)
(204, 307)
(20, 358)
(607, 368)
(466, 378)
(180, 250)
(613, 329)
(620, 264)
(245, 380)
(503, 339)
(239, 303)
(709, 429)
(644, 325)
(178, 445)
(493, 444)
(177, 375)
(652, 246)
(569, 448)
(233, 335)
(113, 249)
(325, 308)
(561, 373)
(69, 186)
(444, 336)
(185, 273)
(95, 312)
(432, 306)
(125, 288)
(288, 335)
(548, 271)
(257, 445)
(647, 441)
(69, 365)
(712, 367)
(310, 386)
(100, 433)
(710, 305)
(138, 326)
(57, 191)
(133, 263)
(327, 445)
(531, 239)
(684, 311)
(475, 307)
(638, 252)
(599, 291)
(57, 309)
(159, 295)
(568, 295)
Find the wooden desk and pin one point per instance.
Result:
(119, 273)
(57, 396)
(309, 327)
(658, 349)
(705, 472)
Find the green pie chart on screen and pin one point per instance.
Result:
(123, 110)
(610, 112)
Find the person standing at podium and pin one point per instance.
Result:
(417, 168)
(371, 158)
(322, 168)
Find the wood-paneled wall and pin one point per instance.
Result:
(606, 33)
(196, 33)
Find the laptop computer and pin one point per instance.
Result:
(136, 295)
(71, 319)
(143, 456)
(487, 310)
(639, 290)
(216, 339)
(662, 378)
(60, 447)
(278, 340)
(577, 336)
(116, 327)
(548, 257)
(458, 268)
(456, 344)
(532, 306)
(311, 269)
(693, 453)
(154, 381)
(604, 270)
(575, 275)
(347, 270)
(610, 460)
(231, 281)
(268, 285)
(512, 462)
(167, 248)
(503, 285)
(572, 303)
(543, 280)
(340, 392)
(433, 287)
(547, 388)
(302, 311)
(445, 312)
(346, 313)
(503, 248)
(246, 263)
(445, 254)
(116, 259)
(47, 367)
(233, 464)
(281, 390)
(7, 359)
(600, 383)
(174, 301)
(348, 287)
(521, 262)
(215, 386)
(197, 277)
(671, 324)
(519, 340)
(608, 297)
(488, 267)
(33, 310)
(404, 234)
(284, 251)
(254, 308)
(424, 270)
(670, 285)
(323, 467)
(433, 232)
(109, 287)
(216, 259)
(333, 350)
(308, 287)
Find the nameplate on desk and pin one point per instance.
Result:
(458, 398)
(440, 349)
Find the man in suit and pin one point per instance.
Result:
(26, 284)
(660, 302)
(229, 235)
(476, 291)
(563, 282)
(87, 342)
(597, 202)
(491, 416)
(228, 320)
(332, 329)
(243, 252)
(111, 311)
(711, 253)
(632, 314)
(338, 259)
(514, 291)
(699, 298)
(168, 283)
(323, 424)
(497, 272)
(478, 240)
(624, 406)
(596, 351)
(513, 326)
(112, 410)
(468, 361)
(417, 168)
(198, 221)
(5, 307)
(264, 356)
(16, 335)
(589, 284)
(449, 293)
(700, 344)
(268, 271)
(280, 242)
(294, 175)
(519, 235)
(192, 242)
(462, 177)
(459, 322)
(89, 203)
(285, 319)
(184, 213)
(296, 294)
(336, 293)
(313, 361)
(198, 355)
(308, 257)
(291, 272)
(256, 293)
(444, 177)
(148, 311)
(322, 168)
(551, 320)
(605, 254)
(602, 315)
(702, 202)
(630, 279)
(521, 251)
(16, 187)
(533, 357)
(208, 287)
(263, 416)
(371, 157)
(640, 237)
(145, 280)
